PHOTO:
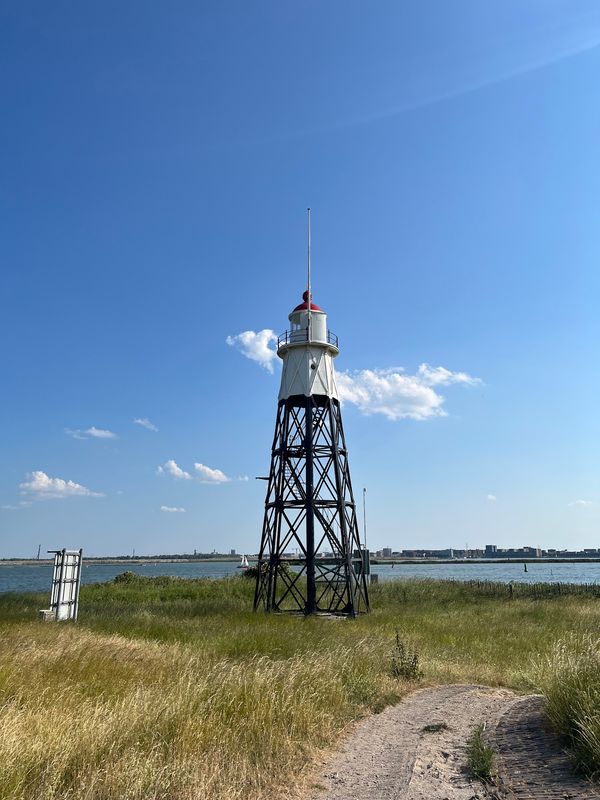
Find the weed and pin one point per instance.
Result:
(480, 756)
(435, 727)
(405, 663)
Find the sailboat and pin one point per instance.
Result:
(244, 563)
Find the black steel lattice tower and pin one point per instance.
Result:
(310, 506)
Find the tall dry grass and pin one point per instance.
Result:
(174, 689)
(94, 715)
(569, 676)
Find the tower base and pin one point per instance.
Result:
(310, 515)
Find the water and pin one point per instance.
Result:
(37, 577)
(505, 573)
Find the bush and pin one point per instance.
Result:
(127, 577)
(252, 572)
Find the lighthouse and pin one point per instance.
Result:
(309, 507)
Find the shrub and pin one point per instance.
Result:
(252, 572)
(127, 577)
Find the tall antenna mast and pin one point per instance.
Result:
(309, 301)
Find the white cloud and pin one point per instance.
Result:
(75, 434)
(390, 392)
(92, 433)
(256, 346)
(171, 467)
(205, 474)
(208, 475)
(22, 504)
(172, 509)
(100, 433)
(145, 423)
(396, 395)
(582, 503)
(492, 497)
(41, 487)
(440, 376)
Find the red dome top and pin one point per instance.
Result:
(304, 306)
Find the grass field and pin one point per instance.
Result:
(174, 689)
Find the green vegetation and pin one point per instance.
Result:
(435, 727)
(569, 676)
(174, 689)
(405, 664)
(480, 756)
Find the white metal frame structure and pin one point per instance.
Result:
(66, 580)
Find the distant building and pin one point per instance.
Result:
(491, 551)
(445, 554)
(232, 552)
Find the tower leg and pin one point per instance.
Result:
(310, 507)
(311, 585)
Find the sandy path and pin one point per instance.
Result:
(390, 757)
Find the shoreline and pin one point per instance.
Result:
(116, 561)
(31, 562)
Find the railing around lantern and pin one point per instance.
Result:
(294, 337)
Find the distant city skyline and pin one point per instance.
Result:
(153, 199)
(490, 551)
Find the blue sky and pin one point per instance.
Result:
(156, 164)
